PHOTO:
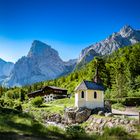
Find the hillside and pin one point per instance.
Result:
(120, 75)
(119, 72)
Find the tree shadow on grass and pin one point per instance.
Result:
(33, 129)
(16, 136)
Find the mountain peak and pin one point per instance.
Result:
(3, 61)
(127, 27)
(39, 45)
(126, 30)
(38, 48)
(37, 42)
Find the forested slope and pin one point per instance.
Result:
(120, 73)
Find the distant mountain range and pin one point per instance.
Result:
(5, 69)
(125, 37)
(43, 62)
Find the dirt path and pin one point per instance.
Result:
(132, 112)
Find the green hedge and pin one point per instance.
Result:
(117, 100)
(132, 101)
(128, 101)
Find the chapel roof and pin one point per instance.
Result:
(89, 85)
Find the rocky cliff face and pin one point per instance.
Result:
(5, 69)
(126, 36)
(41, 63)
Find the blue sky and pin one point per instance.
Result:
(67, 25)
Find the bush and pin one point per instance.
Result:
(9, 94)
(75, 131)
(1, 102)
(132, 101)
(108, 94)
(128, 101)
(22, 95)
(18, 106)
(114, 131)
(134, 93)
(117, 100)
(37, 101)
(9, 103)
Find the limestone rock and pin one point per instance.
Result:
(101, 113)
(121, 121)
(109, 114)
(99, 121)
(82, 115)
(55, 118)
(110, 124)
(73, 115)
(97, 124)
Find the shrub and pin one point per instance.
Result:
(18, 106)
(8, 103)
(108, 94)
(1, 102)
(22, 95)
(116, 100)
(75, 131)
(37, 101)
(9, 94)
(13, 94)
(128, 101)
(132, 101)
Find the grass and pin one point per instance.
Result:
(115, 131)
(118, 106)
(53, 107)
(138, 108)
(19, 124)
(16, 125)
(14, 121)
(137, 135)
(58, 106)
(66, 102)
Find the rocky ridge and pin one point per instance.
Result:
(125, 37)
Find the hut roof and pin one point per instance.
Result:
(50, 87)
